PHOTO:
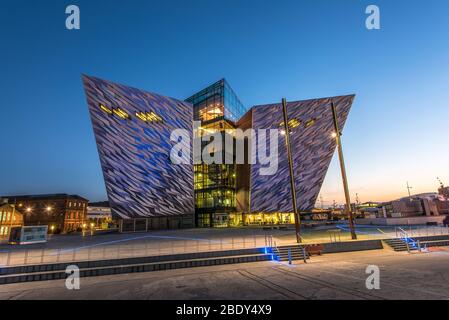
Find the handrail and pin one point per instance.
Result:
(275, 248)
(403, 235)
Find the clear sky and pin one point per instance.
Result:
(397, 130)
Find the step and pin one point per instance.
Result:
(87, 264)
(133, 268)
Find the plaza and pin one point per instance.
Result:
(333, 276)
(76, 248)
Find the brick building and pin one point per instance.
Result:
(10, 217)
(62, 213)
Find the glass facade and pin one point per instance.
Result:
(218, 108)
(217, 101)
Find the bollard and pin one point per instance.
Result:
(289, 256)
(419, 246)
(408, 247)
(304, 254)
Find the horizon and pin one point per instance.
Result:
(298, 50)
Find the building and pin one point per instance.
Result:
(9, 217)
(267, 198)
(422, 208)
(146, 190)
(99, 213)
(132, 130)
(62, 213)
(218, 108)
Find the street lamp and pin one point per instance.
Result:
(337, 135)
(286, 132)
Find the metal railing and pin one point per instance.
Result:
(423, 231)
(21, 255)
(409, 242)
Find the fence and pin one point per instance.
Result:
(22, 255)
(420, 231)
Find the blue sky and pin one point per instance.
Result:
(397, 130)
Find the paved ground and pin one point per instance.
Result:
(66, 248)
(333, 276)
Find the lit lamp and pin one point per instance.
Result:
(52, 229)
(337, 136)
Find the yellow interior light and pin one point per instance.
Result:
(310, 123)
(122, 114)
(293, 123)
(148, 116)
(105, 109)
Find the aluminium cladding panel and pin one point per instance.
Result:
(312, 150)
(140, 179)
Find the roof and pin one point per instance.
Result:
(104, 204)
(46, 197)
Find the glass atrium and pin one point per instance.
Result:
(218, 108)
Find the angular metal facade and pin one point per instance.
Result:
(132, 130)
(312, 149)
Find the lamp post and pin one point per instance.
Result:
(292, 180)
(337, 135)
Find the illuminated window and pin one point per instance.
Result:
(105, 109)
(148, 116)
(310, 123)
(293, 123)
(121, 114)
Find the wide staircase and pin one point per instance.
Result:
(399, 245)
(287, 253)
(92, 268)
(406, 243)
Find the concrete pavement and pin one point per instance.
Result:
(333, 276)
